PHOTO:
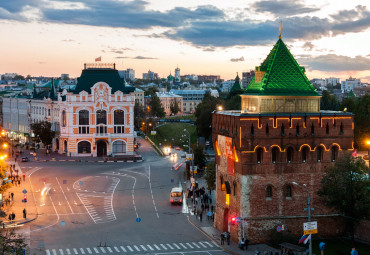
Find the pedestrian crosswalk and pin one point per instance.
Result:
(137, 248)
(92, 204)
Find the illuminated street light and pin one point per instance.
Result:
(220, 108)
(368, 153)
(5, 145)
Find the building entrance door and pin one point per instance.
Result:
(225, 227)
(101, 148)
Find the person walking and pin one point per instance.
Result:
(209, 215)
(24, 213)
(24, 177)
(354, 252)
(13, 215)
(200, 216)
(228, 238)
(12, 194)
(222, 238)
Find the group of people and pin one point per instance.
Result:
(206, 205)
(14, 176)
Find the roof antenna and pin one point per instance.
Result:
(280, 28)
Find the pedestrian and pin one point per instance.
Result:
(354, 252)
(210, 200)
(24, 213)
(201, 198)
(228, 238)
(12, 194)
(206, 207)
(201, 216)
(24, 177)
(212, 208)
(13, 215)
(9, 195)
(19, 182)
(10, 217)
(209, 215)
(202, 207)
(222, 238)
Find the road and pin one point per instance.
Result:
(111, 208)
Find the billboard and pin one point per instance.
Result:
(227, 160)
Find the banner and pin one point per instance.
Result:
(227, 160)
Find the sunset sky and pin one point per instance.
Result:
(331, 38)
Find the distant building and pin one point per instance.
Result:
(177, 75)
(319, 82)
(350, 84)
(192, 98)
(64, 76)
(139, 96)
(332, 81)
(169, 99)
(191, 77)
(150, 75)
(247, 78)
(207, 78)
(128, 74)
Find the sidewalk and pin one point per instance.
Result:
(206, 226)
(16, 205)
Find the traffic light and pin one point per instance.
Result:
(233, 220)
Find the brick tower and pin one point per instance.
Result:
(279, 138)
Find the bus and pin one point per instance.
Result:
(176, 196)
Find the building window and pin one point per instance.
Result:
(83, 121)
(282, 130)
(252, 130)
(119, 121)
(259, 155)
(101, 117)
(64, 118)
(269, 192)
(288, 192)
(84, 147)
(234, 188)
(289, 155)
(334, 153)
(319, 154)
(297, 129)
(48, 112)
(327, 128)
(341, 128)
(275, 153)
(267, 129)
(119, 147)
(304, 154)
(312, 129)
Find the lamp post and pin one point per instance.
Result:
(368, 152)
(304, 186)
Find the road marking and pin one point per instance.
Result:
(128, 247)
(109, 249)
(102, 249)
(195, 245)
(156, 247)
(170, 246)
(164, 247)
(202, 244)
(48, 252)
(215, 243)
(183, 245)
(151, 191)
(88, 250)
(75, 251)
(54, 252)
(150, 247)
(96, 250)
(123, 248)
(178, 247)
(115, 247)
(210, 245)
(143, 247)
(137, 248)
(82, 251)
(64, 194)
(68, 251)
(61, 252)
(188, 244)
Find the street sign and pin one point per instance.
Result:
(310, 228)
(138, 219)
(189, 156)
(278, 229)
(238, 219)
(24, 191)
(153, 132)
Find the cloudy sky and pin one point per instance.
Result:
(331, 38)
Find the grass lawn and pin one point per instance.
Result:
(339, 247)
(174, 134)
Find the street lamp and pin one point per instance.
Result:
(220, 108)
(189, 139)
(368, 152)
(304, 186)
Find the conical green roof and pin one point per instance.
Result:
(283, 76)
(237, 86)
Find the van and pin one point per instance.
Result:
(176, 196)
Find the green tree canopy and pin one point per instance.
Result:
(42, 130)
(199, 156)
(329, 102)
(233, 103)
(210, 176)
(156, 109)
(344, 187)
(139, 113)
(175, 107)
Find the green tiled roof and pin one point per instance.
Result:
(283, 76)
(237, 86)
(90, 76)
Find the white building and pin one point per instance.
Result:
(192, 98)
(350, 84)
(168, 99)
(332, 81)
(177, 75)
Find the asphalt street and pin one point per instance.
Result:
(111, 208)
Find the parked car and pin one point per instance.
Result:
(25, 159)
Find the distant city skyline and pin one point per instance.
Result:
(50, 38)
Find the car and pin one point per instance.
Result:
(25, 159)
(366, 157)
(178, 148)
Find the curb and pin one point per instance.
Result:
(17, 224)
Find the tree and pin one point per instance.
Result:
(11, 243)
(199, 156)
(329, 102)
(175, 107)
(139, 113)
(210, 176)
(156, 109)
(151, 91)
(233, 103)
(203, 114)
(42, 130)
(344, 187)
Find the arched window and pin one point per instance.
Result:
(312, 129)
(64, 119)
(234, 188)
(83, 121)
(259, 155)
(119, 147)
(275, 153)
(319, 154)
(269, 192)
(289, 155)
(288, 191)
(84, 147)
(327, 128)
(282, 130)
(334, 153)
(267, 129)
(297, 129)
(101, 117)
(119, 121)
(304, 154)
(341, 128)
(252, 130)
